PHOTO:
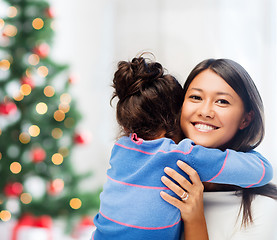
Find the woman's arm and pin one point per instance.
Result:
(191, 207)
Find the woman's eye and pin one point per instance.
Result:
(222, 101)
(195, 97)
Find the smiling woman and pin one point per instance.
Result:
(212, 111)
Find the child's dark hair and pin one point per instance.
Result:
(149, 101)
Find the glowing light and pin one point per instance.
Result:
(0, 131)
(34, 130)
(2, 23)
(57, 159)
(49, 91)
(64, 151)
(5, 215)
(38, 23)
(28, 72)
(58, 184)
(75, 203)
(0, 155)
(18, 96)
(25, 89)
(26, 198)
(43, 71)
(65, 98)
(33, 59)
(57, 133)
(15, 167)
(41, 108)
(59, 115)
(69, 122)
(10, 30)
(12, 12)
(24, 138)
(64, 107)
(5, 65)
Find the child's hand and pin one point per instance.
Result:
(191, 207)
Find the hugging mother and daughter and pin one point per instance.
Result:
(184, 166)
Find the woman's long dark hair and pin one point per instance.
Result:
(250, 137)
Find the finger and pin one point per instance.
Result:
(193, 175)
(172, 186)
(172, 200)
(184, 183)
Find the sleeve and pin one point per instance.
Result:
(244, 169)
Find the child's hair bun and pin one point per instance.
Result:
(132, 77)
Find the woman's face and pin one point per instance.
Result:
(212, 111)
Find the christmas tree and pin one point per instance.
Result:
(38, 120)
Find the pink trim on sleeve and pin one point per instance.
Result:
(223, 166)
(260, 178)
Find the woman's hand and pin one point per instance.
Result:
(191, 207)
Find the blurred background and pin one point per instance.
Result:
(91, 36)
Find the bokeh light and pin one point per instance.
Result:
(2, 23)
(49, 91)
(69, 122)
(38, 23)
(10, 30)
(64, 151)
(59, 115)
(65, 98)
(18, 96)
(15, 167)
(25, 89)
(57, 159)
(41, 108)
(26, 198)
(75, 203)
(5, 215)
(5, 64)
(43, 71)
(57, 133)
(64, 107)
(34, 130)
(12, 12)
(24, 138)
(33, 59)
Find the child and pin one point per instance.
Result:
(148, 111)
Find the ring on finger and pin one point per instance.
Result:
(184, 196)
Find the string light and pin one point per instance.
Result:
(18, 96)
(25, 89)
(33, 59)
(5, 215)
(26, 198)
(41, 108)
(5, 65)
(65, 98)
(57, 133)
(24, 138)
(75, 203)
(12, 12)
(2, 23)
(34, 130)
(38, 23)
(15, 167)
(10, 30)
(59, 115)
(49, 91)
(43, 71)
(57, 159)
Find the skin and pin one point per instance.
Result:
(212, 114)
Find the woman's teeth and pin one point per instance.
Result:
(204, 127)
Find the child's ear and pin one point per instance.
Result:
(248, 117)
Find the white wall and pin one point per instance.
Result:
(92, 35)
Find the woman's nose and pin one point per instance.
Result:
(206, 110)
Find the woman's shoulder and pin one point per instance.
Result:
(223, 217)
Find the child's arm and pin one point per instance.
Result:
(244, 169)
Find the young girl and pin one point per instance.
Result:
(218, 94)
(148, 111)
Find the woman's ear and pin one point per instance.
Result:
(246, 120)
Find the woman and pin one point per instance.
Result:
(222, 109)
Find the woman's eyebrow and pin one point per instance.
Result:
(217, 93)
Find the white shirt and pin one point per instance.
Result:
(223, 223)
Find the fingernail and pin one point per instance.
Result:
(180, 162)
(166, 169)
